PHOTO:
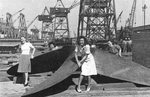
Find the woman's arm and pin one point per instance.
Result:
(86, 53)
(78, 62)
(32, 51)
(84, 58)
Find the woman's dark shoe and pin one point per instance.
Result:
(79, 90)
(27, 84)
(88, 89)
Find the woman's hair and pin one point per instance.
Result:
(23, 38)
(85, 40)
(51, 43)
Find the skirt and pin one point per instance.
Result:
(89, 66)
(24, 64)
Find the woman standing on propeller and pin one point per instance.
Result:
(87, 62)
(27, 52)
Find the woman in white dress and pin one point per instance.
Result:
(27, 52)
(87, 61)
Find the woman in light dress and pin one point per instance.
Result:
(87, 62)
(27, 52)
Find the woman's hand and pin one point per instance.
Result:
(32, 56)
(79, 64)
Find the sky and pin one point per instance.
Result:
(32, 8)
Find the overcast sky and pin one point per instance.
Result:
(35, 7)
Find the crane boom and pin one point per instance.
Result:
(132, 14)
(74, 4)
(18, 11)
(32, 22)
(119, 17)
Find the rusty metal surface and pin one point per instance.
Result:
(117, 67)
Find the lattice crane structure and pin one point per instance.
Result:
(97, 19)
(47, 24)
(9, 26)
(22, 26)
(55, 24)
(61, 24)
(130, 20)
(128, 30)
(10, 31)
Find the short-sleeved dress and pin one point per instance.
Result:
(88, 67)
(24, 60)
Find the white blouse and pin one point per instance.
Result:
(26, 47)
(84, 50)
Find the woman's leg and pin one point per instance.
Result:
(26, 78)
(79, 82)
(89, 83)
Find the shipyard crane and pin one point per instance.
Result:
(130, 21)
(18, 12)
(35, 33)
(9, 17)
(22, 27)
(10, 30)
(127, 31)
(119, 17)
(61, 24)
(55, 22)
(97, 19)
(144, 12)
(47, 25)
(31, 22)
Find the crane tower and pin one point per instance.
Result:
(97, 19)
(47, 24)
(61, 24)
(22, 26)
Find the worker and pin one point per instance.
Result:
(52, 46)
(114, 48)
(127, 44)
(27, 53)
(86, 61)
